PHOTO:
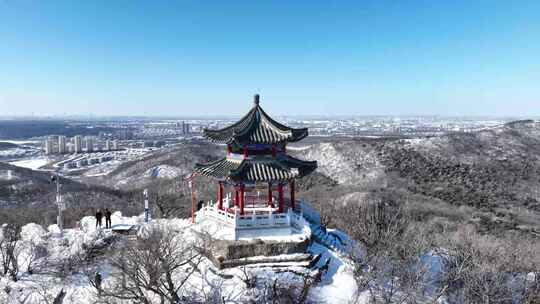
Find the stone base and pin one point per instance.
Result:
(228, 253)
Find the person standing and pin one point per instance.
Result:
(99, 216)
(107, 218)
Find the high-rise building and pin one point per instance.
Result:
(48, 146)
(89, 144)
(115, 145)
(77, 141)
(62, 144)
(108, 145)
(186, 128)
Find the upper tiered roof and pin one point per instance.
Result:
(256, 127)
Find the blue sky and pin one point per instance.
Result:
(304, 57)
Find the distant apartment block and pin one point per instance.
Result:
(49, 146)
(77, 142)
(89, 144)
(62, 144)
(186, 128)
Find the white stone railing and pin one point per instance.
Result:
(260, 219)
(257, 218)
(220, 215)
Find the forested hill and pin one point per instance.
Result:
(494, 171)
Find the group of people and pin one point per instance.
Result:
(99, 217)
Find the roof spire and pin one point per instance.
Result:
(256, 99)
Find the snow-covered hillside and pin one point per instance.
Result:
(50, 263)
(496, 170)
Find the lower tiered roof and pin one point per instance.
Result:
(262, 168)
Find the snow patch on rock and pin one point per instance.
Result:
(164, 171)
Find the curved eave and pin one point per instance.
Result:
(262, 172)
(219, 169)
(282, 168)
(256, 127)
(304, 167)
(214, 136)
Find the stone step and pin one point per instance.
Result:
(268, 260)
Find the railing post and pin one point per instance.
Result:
(289, 214)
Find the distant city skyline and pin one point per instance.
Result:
(189, 58)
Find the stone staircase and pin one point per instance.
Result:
(329, 239)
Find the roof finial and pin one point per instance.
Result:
(256, 99)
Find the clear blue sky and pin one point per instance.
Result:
(304, 57)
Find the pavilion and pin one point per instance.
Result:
(255, 180)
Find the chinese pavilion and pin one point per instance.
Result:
(256, 178)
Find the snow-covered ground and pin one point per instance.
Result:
(164, 171)
(103, 169)
(336, 286)
(33, 163)
(21, 142)
(13, 153)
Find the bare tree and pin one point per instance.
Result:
(36, 257)
(484, 269)
(390, 265)
(10, 245)
(289, 291)
(151, 268)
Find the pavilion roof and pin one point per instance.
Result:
(256, 127)
(257, 169)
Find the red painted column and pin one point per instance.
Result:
(280, 197)
(274, 151)
(291, 186)
(246, 154)
(229, 150)
(220, 196)
(236, 196)
(242, 200)
(270, 203)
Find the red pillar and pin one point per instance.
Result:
(280, 197)
(236, 197)
(291, 186)
(241, 199)
(246, 154)
(220, 196)
(270, 203)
